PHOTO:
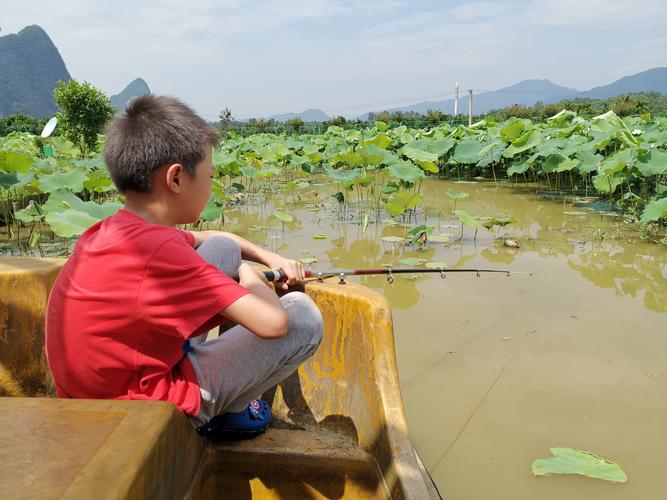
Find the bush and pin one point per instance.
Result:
(337, 121)
(84, 110)
(434, 116)
(20, 122)
(516, 111)
(295, 124)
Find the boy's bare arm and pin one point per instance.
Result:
(249, 251)
(260, 311)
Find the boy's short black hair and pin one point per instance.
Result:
(151, 132)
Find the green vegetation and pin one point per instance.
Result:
(84, 110)
(378, 170)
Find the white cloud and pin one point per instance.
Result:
(265, 56)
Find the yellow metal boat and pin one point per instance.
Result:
(339, 429)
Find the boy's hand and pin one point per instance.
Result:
(293, 270)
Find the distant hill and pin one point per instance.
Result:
(654, 79)
(136, 88)
(30, 67)
(309, 115)
(526, 92)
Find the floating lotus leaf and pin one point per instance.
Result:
(307, 260)
(436, 265)
(394, 239)
(320, 236)
(283, 216)
(574, 461)
(412, 261)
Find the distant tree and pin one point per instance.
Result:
(262, 124)
(84, 110)
(296, 124)
(624, 106)
(225, 121)
(384, 116)
(434, 116)
(20, 122)
(337, 120)
(549, 110)
(517, 111)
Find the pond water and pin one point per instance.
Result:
(495, 371)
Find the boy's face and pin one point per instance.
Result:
(199, 188)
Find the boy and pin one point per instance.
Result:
(128, 315)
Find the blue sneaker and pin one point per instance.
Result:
(248, 423)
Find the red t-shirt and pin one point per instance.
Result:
(123, 307)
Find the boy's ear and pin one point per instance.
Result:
(174, 177)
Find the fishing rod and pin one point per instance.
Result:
(279, 275)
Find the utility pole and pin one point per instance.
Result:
(469, 107)
(456, 99)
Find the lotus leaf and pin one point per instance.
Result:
(436, 265)
(283, 216)
(652, 163)
(412, 261)
(574, 461)
(654, 210)
(467, 219)
(406, 171)
(212, 211)
(12, 161)
(523, 143)
(399, 202)
(454, 195)
(468, 151)
(70, 222)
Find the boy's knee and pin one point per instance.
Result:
(305, 319)
(222, 252)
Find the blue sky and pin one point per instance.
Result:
(346, 57)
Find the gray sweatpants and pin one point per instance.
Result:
(238, 366)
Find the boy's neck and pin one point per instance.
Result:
(153, 210)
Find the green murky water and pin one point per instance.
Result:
(494, 370)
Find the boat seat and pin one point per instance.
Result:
(292, 462)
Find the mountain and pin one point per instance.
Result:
(654, 79)
(309, 115)
(526, 92)
(30, 68)
(136, 88)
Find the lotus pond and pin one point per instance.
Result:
(494, 371)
